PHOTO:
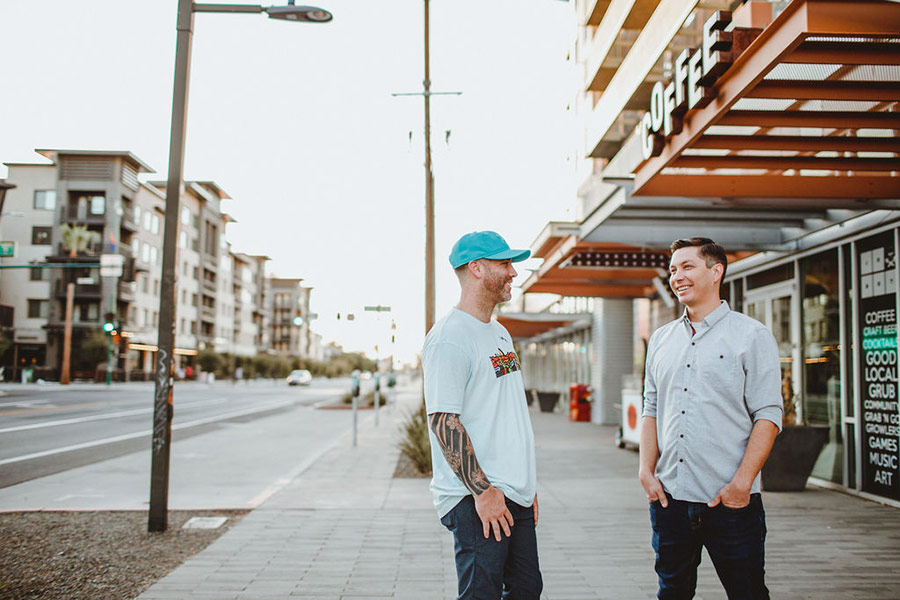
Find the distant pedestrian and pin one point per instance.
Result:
(712, 409)
(482, 443)
(238, 374)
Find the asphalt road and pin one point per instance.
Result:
(51, 429)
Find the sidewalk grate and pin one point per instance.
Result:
(204, 522)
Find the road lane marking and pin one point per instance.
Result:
(30, 411)
(129, 436)
(126, 413)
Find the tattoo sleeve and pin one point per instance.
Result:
(457, 449)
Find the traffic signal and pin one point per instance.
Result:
(298, 321)
(109, 324)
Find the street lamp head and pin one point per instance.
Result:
(306, 14)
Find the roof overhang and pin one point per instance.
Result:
(807, 113)
(573, 267)
(139, 165)
(523, 326)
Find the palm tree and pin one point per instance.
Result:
(78, 238)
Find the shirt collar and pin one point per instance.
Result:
(711, 319)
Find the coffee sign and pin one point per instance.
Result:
(696, 69)
(879, 410)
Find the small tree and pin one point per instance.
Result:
(78, 238)
(415, 443)
(210, 361)
(4, 344)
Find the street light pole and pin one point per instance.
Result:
(162, 373)
(163, 367)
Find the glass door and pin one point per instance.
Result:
(775, 307)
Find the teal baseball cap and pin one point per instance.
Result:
(483, 244)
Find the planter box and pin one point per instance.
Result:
(793, 457)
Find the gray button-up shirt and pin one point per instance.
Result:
(706, 390)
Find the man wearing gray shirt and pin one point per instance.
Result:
(712, 409)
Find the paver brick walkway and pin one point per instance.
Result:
(345, 528)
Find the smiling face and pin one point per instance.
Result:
(694, 282)
(497, 280)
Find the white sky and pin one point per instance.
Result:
(297, 123)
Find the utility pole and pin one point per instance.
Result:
(67, 335)
(429, 188)
(429, 178)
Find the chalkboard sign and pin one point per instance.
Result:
(877, 285)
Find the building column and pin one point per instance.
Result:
(613, 356)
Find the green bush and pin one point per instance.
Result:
(415, 443)
(210, 361)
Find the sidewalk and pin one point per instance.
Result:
(345, 528)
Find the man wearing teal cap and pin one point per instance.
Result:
(482, 444)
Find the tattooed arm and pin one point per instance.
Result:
(490, 503)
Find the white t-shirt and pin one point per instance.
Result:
(472, 370)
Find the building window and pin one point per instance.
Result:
(40, 236)
(145, 253)
(185, 216)
(39, 274)
(98, 205)
(88, 312)
(154, 224)
(45, 200)
(148, 221)
(137, 214)
(38, 309)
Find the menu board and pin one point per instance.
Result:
(877, 285)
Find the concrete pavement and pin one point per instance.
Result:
(345, 528)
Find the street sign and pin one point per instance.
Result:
(111, 265)
(7, 249)
(112, 260)
(378, 308)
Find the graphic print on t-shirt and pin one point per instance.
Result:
(504, 364)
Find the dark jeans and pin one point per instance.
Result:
(734, 538)
(488, 569)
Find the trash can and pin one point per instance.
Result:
(579, 402)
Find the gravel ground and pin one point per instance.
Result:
(92, 555)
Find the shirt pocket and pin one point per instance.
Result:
(719, 371)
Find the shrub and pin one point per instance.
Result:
(210, 361)
(415, 443)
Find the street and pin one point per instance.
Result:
(53, 438)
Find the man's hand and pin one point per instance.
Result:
(653, 488)
(535, 507)
(732, 495)
(491, 508)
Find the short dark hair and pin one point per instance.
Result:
(709, 251)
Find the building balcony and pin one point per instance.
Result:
(129, 223)
(82, 291)
(126, 291)
(209, 287)
(208, 313)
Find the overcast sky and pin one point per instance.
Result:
(297, 123)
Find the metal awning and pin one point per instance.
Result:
(530, 325)
(602, 270)
(808, 111)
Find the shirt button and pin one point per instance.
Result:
(685, 389)
(681, 436)
(689, 366)
(680, 460)
(693, 344)
(682, 412)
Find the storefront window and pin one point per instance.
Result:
(822, 358)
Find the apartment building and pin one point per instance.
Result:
(770, 127)
(223, 298)
(289, 312)
(94, 190)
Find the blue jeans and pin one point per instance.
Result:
(487, 569)
(734, 538)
